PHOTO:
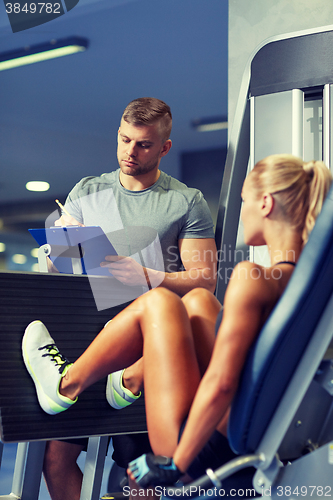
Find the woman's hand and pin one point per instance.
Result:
(151, 470)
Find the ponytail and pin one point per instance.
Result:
(320, 182)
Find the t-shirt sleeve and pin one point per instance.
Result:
(198, 222)
(73, 203)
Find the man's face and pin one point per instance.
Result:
(140, 148)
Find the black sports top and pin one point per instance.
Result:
(285, 262)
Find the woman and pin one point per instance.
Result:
(282, 197)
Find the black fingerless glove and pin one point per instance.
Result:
(151, 470)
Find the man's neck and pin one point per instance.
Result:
(139, 182)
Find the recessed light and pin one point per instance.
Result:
(19, 258)
(42, 52)
(210, 124)
(34, 252)
(37, 186)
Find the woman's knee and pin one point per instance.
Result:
(160, 298)
(198, 299)
(201, 302)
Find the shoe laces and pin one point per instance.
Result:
(56, 356)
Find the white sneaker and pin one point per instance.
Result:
(46, 367)
(116, 394)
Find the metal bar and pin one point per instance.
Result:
(93, 469)
(20, 462)
(1, 451)
(327, 125)
(27, 472)
(252, 132)
(297, 123)
(220, 474)
(230, 197)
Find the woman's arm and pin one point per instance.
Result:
(245, 301)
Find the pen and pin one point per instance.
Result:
(63, 208)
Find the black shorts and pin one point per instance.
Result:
(216, 453)
(128, 447)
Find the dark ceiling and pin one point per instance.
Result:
(59, 118)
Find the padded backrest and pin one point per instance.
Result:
(283, 339)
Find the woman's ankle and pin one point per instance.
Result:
(132, 381)
(68, 389)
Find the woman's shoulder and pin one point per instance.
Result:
(253, 282)
(250, 271)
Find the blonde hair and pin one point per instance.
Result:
(300, 188)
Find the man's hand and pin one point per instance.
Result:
(151, 470)
(126, 270)
(66, 220)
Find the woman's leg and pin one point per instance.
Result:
(157, 326)
(202, 309)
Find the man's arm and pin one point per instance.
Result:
(199, 260)
(198, 257)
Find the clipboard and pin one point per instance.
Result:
(87, 243)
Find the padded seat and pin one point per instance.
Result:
(284, 338)
(283, 408)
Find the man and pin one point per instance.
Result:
(138, 195)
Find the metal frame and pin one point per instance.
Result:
(29, 464)
(239, 155)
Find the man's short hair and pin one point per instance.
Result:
(148, 111)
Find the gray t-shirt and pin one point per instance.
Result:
(134, 221)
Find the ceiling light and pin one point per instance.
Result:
(37, 186)
(2, 247)
(42, 52)
(34, 252)
(210, 124)
(19, 258)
